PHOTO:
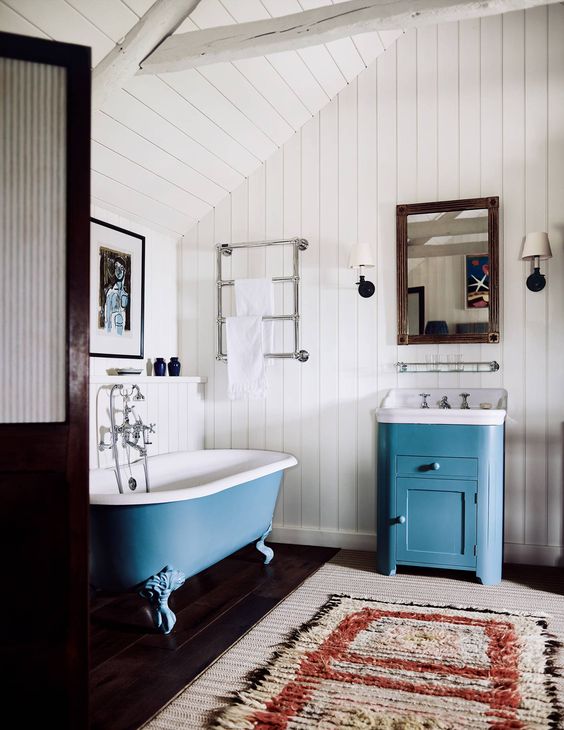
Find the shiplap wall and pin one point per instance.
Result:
(174, 405)
(460, 110)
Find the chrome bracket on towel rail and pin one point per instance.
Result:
(226, 249)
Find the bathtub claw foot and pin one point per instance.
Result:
(268, 552)
(157, 590)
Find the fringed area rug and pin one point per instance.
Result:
(362, 663)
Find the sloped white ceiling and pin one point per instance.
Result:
(167, 148)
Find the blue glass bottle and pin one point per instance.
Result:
(174, 366)
(160, 366)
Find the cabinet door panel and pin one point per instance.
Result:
(440, 522)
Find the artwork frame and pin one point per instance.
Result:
(476, 265)
(117, 291)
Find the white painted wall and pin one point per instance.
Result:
(174, 404)
(461, 110)
(161, 309)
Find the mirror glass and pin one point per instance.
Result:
(447, 282)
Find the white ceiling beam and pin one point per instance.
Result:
(474, 248)
(122, 62)
(421, 231)
(312, 27)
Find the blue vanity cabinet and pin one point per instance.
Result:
(440, 498)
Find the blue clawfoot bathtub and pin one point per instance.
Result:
(203, 506)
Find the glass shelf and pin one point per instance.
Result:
(448, 367)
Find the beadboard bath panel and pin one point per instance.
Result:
(175, 405)
(461, 110)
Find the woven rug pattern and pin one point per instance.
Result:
(363, 663)
(353, 573)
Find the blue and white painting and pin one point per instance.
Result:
(477, 282)
(114, 297)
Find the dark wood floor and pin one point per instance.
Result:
(136, 671)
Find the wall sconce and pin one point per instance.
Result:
(361, 257)
(536, 246)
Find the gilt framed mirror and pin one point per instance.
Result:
(448, 252)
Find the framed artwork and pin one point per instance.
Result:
(117, 291)
(477, 282)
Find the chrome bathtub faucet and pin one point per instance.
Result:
(443, 403)
(424, 397)
(130, 433)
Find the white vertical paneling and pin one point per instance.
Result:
(491, 164)
(152, 396)
(459, 110)
(189, 319)
(406, 52)
(328, 315)
(202, 280)
(309, 323)
(448, 118)
(470, 163)
(367, 309)
(291, 371)
(427, 168)
(174, 422)
(179, 401)
(555, 338)
(274, 215)
(163, 418)
(239, 261)
(386, 142)
(222, 406)
(257, 269)
(513, 210)
(536, 507)
(174, 405)
(32, 242)
(348, 303)
(427, 142)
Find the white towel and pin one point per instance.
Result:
(256, 297)
(245, 358)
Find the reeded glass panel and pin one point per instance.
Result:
(32, 242)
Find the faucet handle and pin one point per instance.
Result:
(464, 397)
(424, 403)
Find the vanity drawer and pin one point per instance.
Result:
(437, 466)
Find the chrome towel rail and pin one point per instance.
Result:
(226, 249)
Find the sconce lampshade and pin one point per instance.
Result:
(536, 244)
(361, 255)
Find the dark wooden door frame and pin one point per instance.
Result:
(61, 449)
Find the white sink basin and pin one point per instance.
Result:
(403, 405)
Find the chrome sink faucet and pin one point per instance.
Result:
(464, 397)
(424, 397)
(443, 403)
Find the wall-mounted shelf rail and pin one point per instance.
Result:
(448, 367)
(226, 249)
